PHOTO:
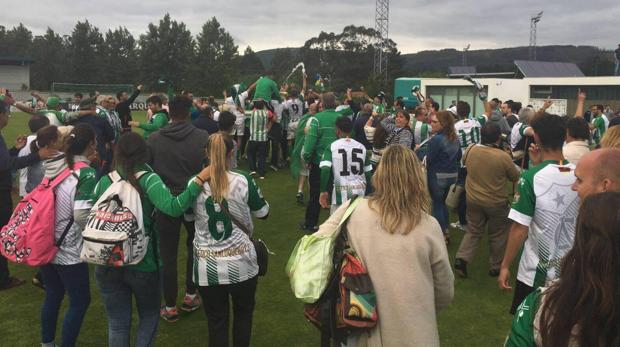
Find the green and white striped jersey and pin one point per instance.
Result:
(547, 205)
(600, 124)
(258, 125)
(468, 132)
(112, 117)
(421, 130)
(223, 253)
(347, 160)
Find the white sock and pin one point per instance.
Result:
(170, 308)
(191, 296)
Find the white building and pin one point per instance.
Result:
(531, 89)
(15, 73)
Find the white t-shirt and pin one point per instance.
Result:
(546, 204)
(468, 132)
(347, 159)
(295, 109)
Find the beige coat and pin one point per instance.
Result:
(411, 274)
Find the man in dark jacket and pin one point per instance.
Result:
(9, 161)
(104, 134)
(358, 126)
(123, 107)
(206, 122)
(177, 153)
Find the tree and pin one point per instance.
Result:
(167, 51)
(49, 53)
(86, 54)
(282, 63)
(347, 58)
(217, 55)
(250, 64)
(17, 41)
(121, 56)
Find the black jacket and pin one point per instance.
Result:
(206, 123)
(9, 162)
(124, 112)
(177, 153)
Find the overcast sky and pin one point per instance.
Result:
(414, 25)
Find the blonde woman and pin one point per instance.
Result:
(611, 138)
(225, 264)
(402, 247)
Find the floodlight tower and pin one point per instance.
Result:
(533, 21)
(465, 54)
(382, 23)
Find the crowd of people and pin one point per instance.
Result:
(411, 165)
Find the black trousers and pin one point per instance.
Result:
(313, 209)
(169, 235)
(275, 137)
(257, 150)
(522, 290)
(217, 309)
(6, 208)
(284, 145)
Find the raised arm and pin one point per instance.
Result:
(36, 95)
(134, 95)
(581, 100)
(304, 84)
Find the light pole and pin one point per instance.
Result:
(465, 54)
(533, 21)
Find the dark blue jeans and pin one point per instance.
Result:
(438, 188)
(72, 279)
(118, 287)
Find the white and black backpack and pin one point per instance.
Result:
(114, 234)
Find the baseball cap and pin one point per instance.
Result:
(52, 101)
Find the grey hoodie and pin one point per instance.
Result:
(499, 120)
(177, 153)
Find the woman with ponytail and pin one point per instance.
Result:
(225, 264)
(119, 286)
(67, 273)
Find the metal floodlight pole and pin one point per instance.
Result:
(533, 22)
(465, 54)
(382, 23)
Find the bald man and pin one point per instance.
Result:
(598, 171)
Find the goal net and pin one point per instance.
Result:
(88, 89)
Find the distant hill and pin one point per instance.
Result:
(590, 59)
(266, 56)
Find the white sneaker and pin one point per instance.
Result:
(458, 226)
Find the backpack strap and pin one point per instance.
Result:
(116, 177)
(53, 183)
(64, 233)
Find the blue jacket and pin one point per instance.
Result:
(443, 156)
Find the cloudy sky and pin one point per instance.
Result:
(414, 25)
